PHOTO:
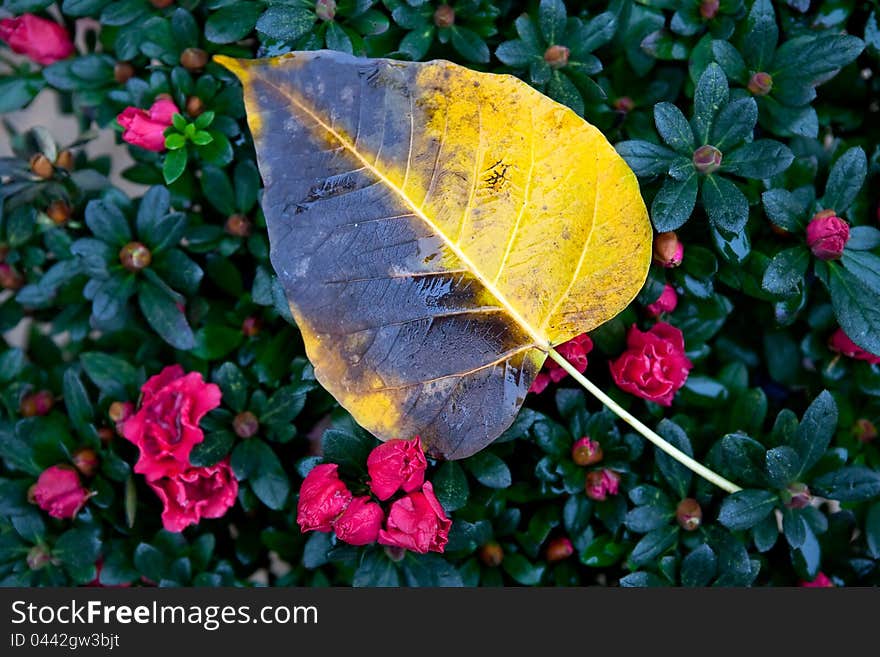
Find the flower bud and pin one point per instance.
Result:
(689, 514)
(10, 278)
(106, 434)
(760, 84)
(59, 212)
(195, 106)
(558, 549)
(444, 16)
(325, 10)
(624, 104)
(86, 461)
(665, 303)
(193, 59)
(238, 225)
(601, 483)
(556, 56)
(491, 554)
(123, 72)
(798, 495)
(41, 166)
(586, 451)
(161, 4)
(864, 430)
(668, 251)
(65, 160)
(120, 411)
(134, 256)
(38, 557)
(709, 8)
(251, 326)
(37, 404)
(707, 159)
(827, 235)
(245, 425)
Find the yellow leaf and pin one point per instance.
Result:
(436, 231)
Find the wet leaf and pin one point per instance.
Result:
(441, 229)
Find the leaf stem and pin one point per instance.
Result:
(652, 436)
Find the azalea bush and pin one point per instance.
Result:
(160, 423)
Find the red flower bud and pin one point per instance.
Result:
(668, 251)
(360, 523)
(707, 159)
(134, 256)
(65, 160)
(86, 461)
(38, 557)
(624, 104)
(841, 343)
(123, 72)
(106, 434)
(245, 425)
(41, 166)
(709, 8)
(586, 451)
(238, 225)
(195, 106)
(58, 491)
(827, 235)
(864, 430)
(43, 41)
(556, 56)
(322, 499)
(760, 84)
(491, 554)
(396, 465)
(146, 128)
(161, 4)
(820, 582)
(654, 365)
(689, 514)
(325, 10)
(665, 303)
(251, 326)
(10, 278)
(193, 59)
(558, 549)
(798, 496)
(417, 522)
(59, 212)
(444, 16)
(601, 483)
(36, 404)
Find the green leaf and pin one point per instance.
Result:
(857, 308)
(107, 223)
(872, 530)
(815, 431)
(255, 461)
(175, 141)
(602, 552)
(349, 450)
(644, 158)
(674, 203)
(552, 17)
(285, 22)
(647, 518)
(731, 61)
(845, 180)
(786, 271)
(653, 544)
(785, 209)
(758, 159)
(164, 316)
(783, 465)
(863, 238)
(232, 22)
(849, 484)
(642, 579)
(150, 562)
(761, 36)
(699, 567)
(218, 151)
(736, 122)
(450, 486)
(726, 205)
(746, 508)
(794, 527)
(430, 570)
(810, 59)
(174, 165)
(79, 408)
(522, 570)
(710, 96)
(674, 128)
(78, 548)
(469, 45)
(113, 376)
(677, 475)
(489, 470)
(233, 385)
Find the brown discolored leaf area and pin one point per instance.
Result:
(436, 231)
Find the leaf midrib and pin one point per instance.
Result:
(540, 341)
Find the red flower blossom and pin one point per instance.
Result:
(665, 303)
(360, 523)
(574, 351)
(654, 366)
(395, 465)
(417, 522)
(166, 427)
(827, 235)
(840, 342)
(821, 581)
(59, 492)
(322, 499)
(602, 483)
(194, 494)
(41, 40)
(147, 128)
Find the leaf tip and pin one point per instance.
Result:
(237, 66)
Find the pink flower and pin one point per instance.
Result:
(147, 128)
(840, 342)
(821, 582)
(827, 234)
(654, 366)
(59, 492)
(360, 523)
(665, 303)
(41, 40)
(194, 494)
(417, 522)
(574, 351)
(166, 427)
(586, 451)
(322, 499)
(394, 465)
(601, 483)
